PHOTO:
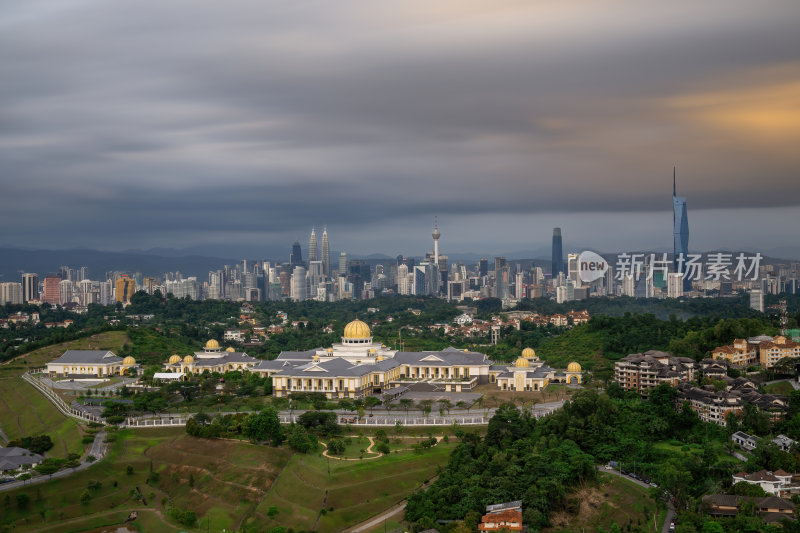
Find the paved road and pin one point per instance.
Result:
(98, 449)
(670, 510)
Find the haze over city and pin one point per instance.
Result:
(233, 130)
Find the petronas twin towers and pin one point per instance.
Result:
(314, 252)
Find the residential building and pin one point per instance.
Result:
(757, 300)
(777, 483)
(644, 371)
(740, 353)
(51, 290)
(713, 405)
(13, 459)
(30, 286)
(503, 517)
(10, 293)
(771, 509)
(745, 441)
(770, 352)
(124, 288)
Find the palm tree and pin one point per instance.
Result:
(445, 404)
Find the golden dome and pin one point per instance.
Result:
(212, 345)
(573, 367)
(315, 358)
(229, 349)
(372, 350)
(379, 358)
(129, 361)
(356, 330)
(329, 350)
(528, 353)
(188, 360)
(174, 359)
(522, 363)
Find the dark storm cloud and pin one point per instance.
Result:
(186, 122)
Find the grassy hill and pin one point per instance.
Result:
(24, 411)
(351, 493)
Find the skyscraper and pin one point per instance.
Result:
(51, 291)
(326, 253)
(680, 232)
(483, 266)
(30, 286)
(313, 250)
(296, 258)
(343, 264)
(558, 253)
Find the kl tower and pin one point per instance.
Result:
(436, 236)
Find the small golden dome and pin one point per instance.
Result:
(175, 358)
(212, 345)
(573, 367)
(356, 330)
(129, 361)
(315, 358)
(522, 363)
(329, 350)
(528, 353)
(372, 350)
(229, 349)
(188, 360)
(379, 358)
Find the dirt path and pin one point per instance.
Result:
(375, 455)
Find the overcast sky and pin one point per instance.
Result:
(238, 125)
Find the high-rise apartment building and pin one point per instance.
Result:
(557, 254)
(10, 293)
(680, 232)
(573, 270)
(299, 284)
(65, 291)
(30, 286)
(51, 291)
(124, 288)
(757, 300)
(343, 264)
(674, 285)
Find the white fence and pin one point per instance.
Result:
(60, 404)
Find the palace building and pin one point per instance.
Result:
(528, 373)
(90, 363)
(358, 367)
(213, 358)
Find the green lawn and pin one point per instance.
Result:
(24, 411)
(352, 492)
(782, 387)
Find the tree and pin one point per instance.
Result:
(86, 497)
(406, 403)
(263, 426)
(371, 402)
(22, 501)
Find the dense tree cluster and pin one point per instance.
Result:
(38, 444)
(540, 461)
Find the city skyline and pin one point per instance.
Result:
(505, 119)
